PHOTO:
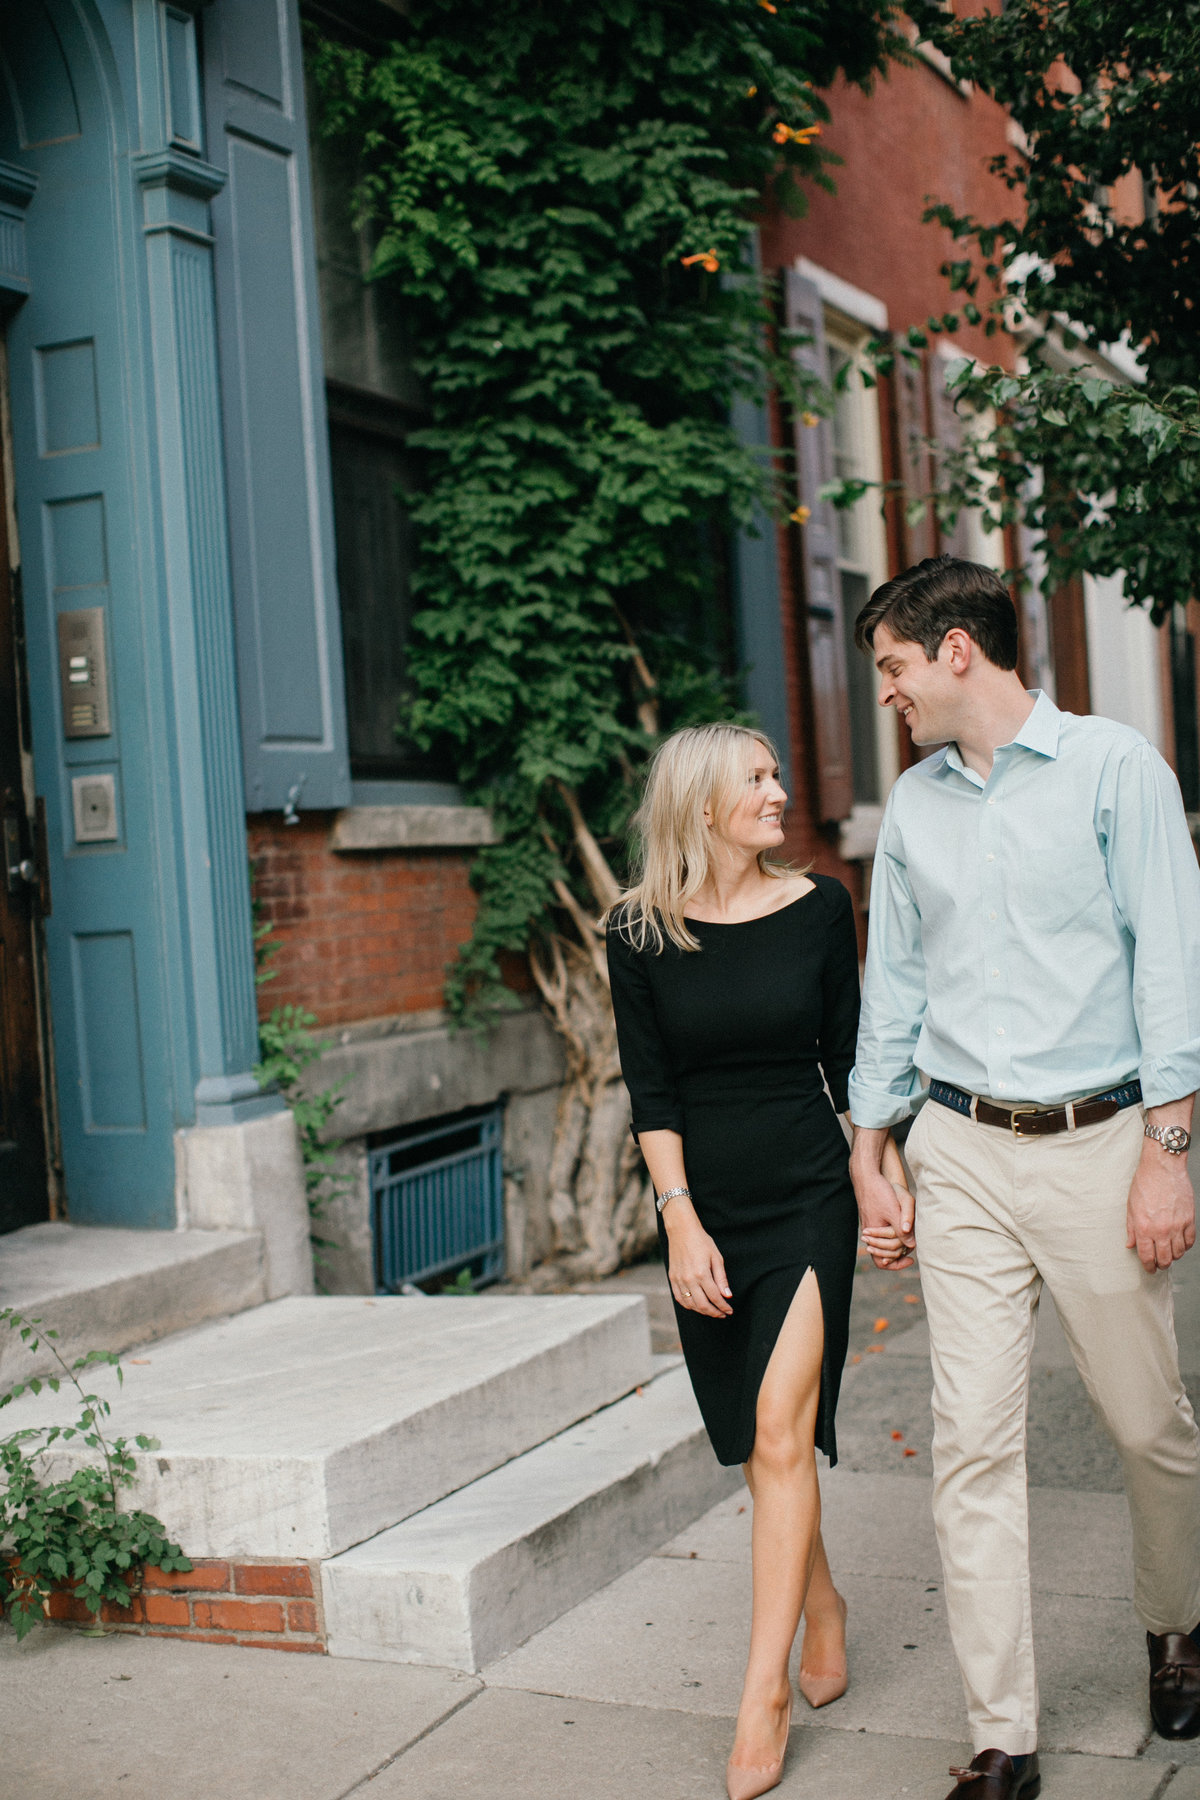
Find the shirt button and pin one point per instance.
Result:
(991, 915)
(1002, 1085)
(995, 971)
(990, 857)
(991, 802)
(999, 1031)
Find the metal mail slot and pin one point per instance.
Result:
(83, 673)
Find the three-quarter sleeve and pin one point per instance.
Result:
(839, 1000)
(645, 1061)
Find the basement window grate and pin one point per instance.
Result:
(437, 1200)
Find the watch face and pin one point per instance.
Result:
(1176, 1138)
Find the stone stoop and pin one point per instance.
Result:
(106, 1288)
(304, 1426)
(474, 1575)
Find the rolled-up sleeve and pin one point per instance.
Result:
(1155, 882)
(885, 1086)
(645, 1060)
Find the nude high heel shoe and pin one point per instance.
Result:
(819, 1690)
(747, 1784)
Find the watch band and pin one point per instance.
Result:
(1175, 1139)
(671, 1194)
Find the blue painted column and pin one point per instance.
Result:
(176, 186)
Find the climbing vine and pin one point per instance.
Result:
(562, 202)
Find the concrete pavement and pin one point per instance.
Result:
(634, 1690)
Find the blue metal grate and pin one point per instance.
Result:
(437, 1201)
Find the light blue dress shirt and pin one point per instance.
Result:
(1036, 936)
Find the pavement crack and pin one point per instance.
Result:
(434, 1725)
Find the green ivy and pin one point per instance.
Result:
(563, 200)
(1107, 474)
(72, 1531)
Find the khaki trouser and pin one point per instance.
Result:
(996, 1216)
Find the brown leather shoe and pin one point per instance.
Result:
(1175, 1683)
(993, 1775)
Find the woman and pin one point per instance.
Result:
(735, 984)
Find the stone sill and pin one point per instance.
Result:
(411, 828)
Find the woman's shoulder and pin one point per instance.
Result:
(832, 892)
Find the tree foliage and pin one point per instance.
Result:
(562, 199)
(1101, 247)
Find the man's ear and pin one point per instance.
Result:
(959, 649)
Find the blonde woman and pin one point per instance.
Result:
(735, 988)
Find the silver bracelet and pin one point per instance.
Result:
(671, 1194)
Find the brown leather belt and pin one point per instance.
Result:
(1035, 1121)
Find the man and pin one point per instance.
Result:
(1035, 956)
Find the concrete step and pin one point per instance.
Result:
(471, 1577)
(103, 1289)
(307, 1425)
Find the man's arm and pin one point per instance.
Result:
(1156, 884)
(884, 1084)
(1161, 1216)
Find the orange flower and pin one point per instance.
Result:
(810, 419)
(751, 90)
(881, 1325)
(912, 1300)
(801, 515)
(800, 134)
(706, 258)
(767, 7)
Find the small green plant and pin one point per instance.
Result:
(287, 1047)
(462, 1286)
(71, 1530)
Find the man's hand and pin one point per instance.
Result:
(1161, 1217)
(885, 1207)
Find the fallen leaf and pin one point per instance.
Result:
(741, 1509)
(856, 1358)
(874, 1349)
(881, 1325)
(143, 1362)
(692, 1555)
(912, 1299)
(639, 1390)
(897, 1437)
(910, 1452)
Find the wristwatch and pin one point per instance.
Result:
(1174, 1139)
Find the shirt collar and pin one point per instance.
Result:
(1039, 733)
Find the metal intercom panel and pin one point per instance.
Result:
(83, 673)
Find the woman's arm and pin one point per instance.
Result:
(696, 1269)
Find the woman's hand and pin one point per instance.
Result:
(696, 1267)
(885, 1204)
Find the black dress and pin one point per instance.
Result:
(726, 1045)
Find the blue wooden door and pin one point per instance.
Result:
(86, 542)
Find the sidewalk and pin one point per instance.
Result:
(634, 1691)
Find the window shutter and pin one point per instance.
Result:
(948, 429)
(819, 562)
(908, 387)
(291, 693)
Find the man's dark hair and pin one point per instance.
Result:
(934, 597)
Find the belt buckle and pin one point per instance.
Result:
(1021, 1112)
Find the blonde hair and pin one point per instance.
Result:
(699, 767)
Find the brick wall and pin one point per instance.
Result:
(362, 934)
(267, 1606)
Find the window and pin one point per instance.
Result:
(862, 558)
(374, 400)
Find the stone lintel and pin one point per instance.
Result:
(411, 828)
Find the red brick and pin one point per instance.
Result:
(301, 1615)
(238, 1615)
(273, 1578)
(133, 1614)
(210, 1577)
(163, 1609)
(66, 1606)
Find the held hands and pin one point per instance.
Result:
(697, 1268)
(1161, 1215)
(885, 1207)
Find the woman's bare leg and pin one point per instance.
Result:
(786, 1540)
